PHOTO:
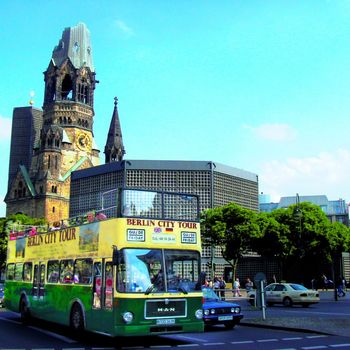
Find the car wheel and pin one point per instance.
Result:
(229, 325)
(24, 311)
(287, 302)
(76, 319)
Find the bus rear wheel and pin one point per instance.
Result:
(76, 319)
(24, 311)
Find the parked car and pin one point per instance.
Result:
(288, 294)
(217, 311)
(2, 291)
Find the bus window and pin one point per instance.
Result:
(35, 291)
(10, 272)
(27, 271)
(19, 272)
(53, 271)
(83, 271)
(109, 285)
(139, 270)
(66, 271)
(97, 285)
(182, 270)
(42, 280)
(42, 274)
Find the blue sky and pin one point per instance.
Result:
(262, 86)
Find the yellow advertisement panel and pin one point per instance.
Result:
(98, 238)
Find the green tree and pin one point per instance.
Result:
(273, 239)
(309, 237)
(232, 228)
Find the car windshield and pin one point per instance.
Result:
(158, 270)
(298, 287)
(209, 294)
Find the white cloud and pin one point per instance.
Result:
(273, 132)
(122, 26)
(5, 129)
(326, 173)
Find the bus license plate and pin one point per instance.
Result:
(225, 318)
(166, 321)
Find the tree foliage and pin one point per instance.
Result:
(232, 228)
(300, 236)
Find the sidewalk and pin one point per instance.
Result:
(315, 324)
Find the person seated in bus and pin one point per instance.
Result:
(126, 210)
(76, 278)
(90, 216)
(101, 216)
(157, 280)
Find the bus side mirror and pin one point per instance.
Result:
(115, 258)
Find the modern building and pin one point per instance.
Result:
(335, 210)
(47, 145)
(27, 123)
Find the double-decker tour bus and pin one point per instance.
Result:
(131, 269)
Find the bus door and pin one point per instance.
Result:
(103, 291)
(38, 290)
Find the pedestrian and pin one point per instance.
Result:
(236, 288)
(340, 289)
(248, 284)
(222, 285)
(216, 286)
(344, 283)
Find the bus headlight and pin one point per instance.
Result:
(199, 314)
(128, 317)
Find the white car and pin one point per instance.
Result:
(287, 294)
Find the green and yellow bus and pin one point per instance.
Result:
(130, 269)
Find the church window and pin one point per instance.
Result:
(67, 88)
(41, 189)
(56, 162)
(53, 209)
(76, 47)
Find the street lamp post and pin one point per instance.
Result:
(298, 214)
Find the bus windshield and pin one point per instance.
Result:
(158, 270)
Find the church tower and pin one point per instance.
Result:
(65, 141)
(114, 149)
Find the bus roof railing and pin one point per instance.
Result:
(110, 210)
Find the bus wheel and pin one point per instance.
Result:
(24, 311)
(76, 318)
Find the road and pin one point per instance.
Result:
(40, 335)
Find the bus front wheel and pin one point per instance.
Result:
(76, 318)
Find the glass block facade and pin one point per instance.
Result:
(215, 184)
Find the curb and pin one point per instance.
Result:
(284, 328)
